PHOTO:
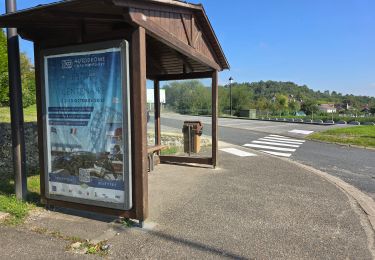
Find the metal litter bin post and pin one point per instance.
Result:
(192, 131)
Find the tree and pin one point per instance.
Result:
(281, 103)
(294, 106)
(27, 76)
(189, 97)
(241, 98)
(309, 106)
(4, 89)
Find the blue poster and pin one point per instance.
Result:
(84, 125)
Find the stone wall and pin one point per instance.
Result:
(174, 139)
(31, 142)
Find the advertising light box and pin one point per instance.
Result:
(87, 124)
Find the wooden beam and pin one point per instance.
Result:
(165, 37)
(86, 15)
(39, 108)
(184, 60)
(193, 75)
(157, 112)
(161, 6)
(215, 108)
(139, 122)
(180, 159)
(185, 24)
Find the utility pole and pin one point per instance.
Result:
(16, 112)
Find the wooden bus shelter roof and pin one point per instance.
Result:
(180, 40)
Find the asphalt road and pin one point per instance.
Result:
(353, 165)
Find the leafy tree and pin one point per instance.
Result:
(194, 97)
(27, 76)
(241, 98)
(281, 103)
(4, 90)
(189, 97)
(309, 106)
(262, 103)
(294, 106)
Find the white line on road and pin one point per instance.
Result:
(237, 152)
(275, 143)
(303, 132)
(278, 141)
(270, 147)
(278, 154)
(285, 139)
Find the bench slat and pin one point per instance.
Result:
(152, 149)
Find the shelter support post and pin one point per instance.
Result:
(215, 107)
(139, 122)
(16, 112)
(157, 112)
(39, 108)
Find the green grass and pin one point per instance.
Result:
(17, 209)
(357, 135)
(29, 114)
(169, 151)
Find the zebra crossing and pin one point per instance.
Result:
(276, 145)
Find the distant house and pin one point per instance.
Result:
(327, 108)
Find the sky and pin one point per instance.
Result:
(324, 44)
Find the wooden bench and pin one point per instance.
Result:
(151, 150)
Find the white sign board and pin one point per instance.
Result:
(150, 96)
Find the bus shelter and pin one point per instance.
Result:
(92, 60)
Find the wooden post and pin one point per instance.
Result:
(16, 109)
(157, 112)
(139, 122)
(39, 108)
(215, 108)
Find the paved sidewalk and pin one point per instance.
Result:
(253, 207)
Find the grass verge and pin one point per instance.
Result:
(18, 209)
(357, 135)
(169, 151)
(29, 114)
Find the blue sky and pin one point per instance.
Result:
(325, 44)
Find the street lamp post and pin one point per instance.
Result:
(230, 94)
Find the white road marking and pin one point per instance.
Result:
(285, 139)
(278, 154)
(257, 127)
(278, 141)
(303, 132)
(275, 143)
(237, 152)
(270, 147)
